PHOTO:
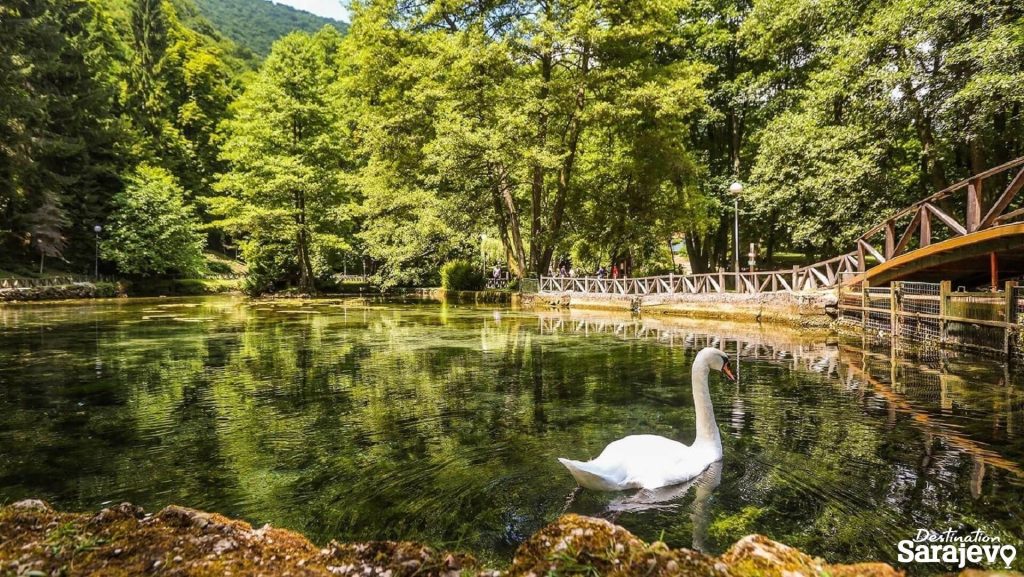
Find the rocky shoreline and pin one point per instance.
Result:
(125, 540)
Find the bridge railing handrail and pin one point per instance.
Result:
(818, 275)
(944, 193)
(978, 217)
(28, 282)
(849, 266)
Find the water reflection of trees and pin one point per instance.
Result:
(443, 424)
(828, 478)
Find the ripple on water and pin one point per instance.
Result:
(443, 423)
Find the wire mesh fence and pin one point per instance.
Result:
(879, 310)
(964, 307)
(929, 315)
(1017, 340)
(850, 302)
(529, 286)
(919, 308)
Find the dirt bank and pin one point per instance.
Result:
(125, 540)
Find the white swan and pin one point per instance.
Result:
(650, 461)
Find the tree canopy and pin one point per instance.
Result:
(542, 130)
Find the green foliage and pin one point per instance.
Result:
(285, 197)
(256, 24)
(600, 132)
(182, 287)
(152, 231)
(461, 275)
(731, 528)
(61, 137)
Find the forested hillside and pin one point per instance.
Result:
(529, 130)
(256, 24)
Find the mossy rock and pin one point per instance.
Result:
(124, 540)
(577, 545)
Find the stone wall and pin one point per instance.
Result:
(62, 292)
(805, 309)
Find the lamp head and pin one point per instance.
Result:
(97, 229)
(735, 189)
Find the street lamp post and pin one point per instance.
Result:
(736, 189)
(96, 262)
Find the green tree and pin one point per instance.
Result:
(284, 195)
(63, 141)
(152, 230)
(893, 109)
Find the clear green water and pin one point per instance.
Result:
(441, 423)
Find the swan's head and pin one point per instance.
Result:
(716, 360)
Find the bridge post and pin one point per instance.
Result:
(865, 302)
(1009, 305)
(926, 227)
(894, 310)
(794, 283)
(721, 280)
(973, 205)
(945, 287)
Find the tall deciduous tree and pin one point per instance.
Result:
(284, 194)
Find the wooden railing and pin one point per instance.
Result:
(497, 283)
(913, 223)
(911, 228)
(825, 274)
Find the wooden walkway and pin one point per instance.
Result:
(951, 231)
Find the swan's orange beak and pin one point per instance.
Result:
(728, 372)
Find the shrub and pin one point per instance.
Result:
(461, 275)
(152, 230)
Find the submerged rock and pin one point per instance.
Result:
(124, 540)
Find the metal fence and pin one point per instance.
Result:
(932, 314)
(919, 307)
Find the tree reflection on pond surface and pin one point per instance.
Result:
(442, 423)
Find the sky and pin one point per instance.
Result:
(328, 8)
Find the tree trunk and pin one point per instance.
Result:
(508, 222)
(565, 170)
(305, 264)
(537, 184)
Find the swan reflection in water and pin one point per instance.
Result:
(671, 499)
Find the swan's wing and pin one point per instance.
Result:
(592, 475)
(651, 461)
(638, 448)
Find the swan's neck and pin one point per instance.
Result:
(707, 428)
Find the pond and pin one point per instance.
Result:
(357, 420)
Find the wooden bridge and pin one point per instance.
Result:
(951, 235)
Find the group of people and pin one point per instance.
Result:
(565, 269)
(618, 271)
